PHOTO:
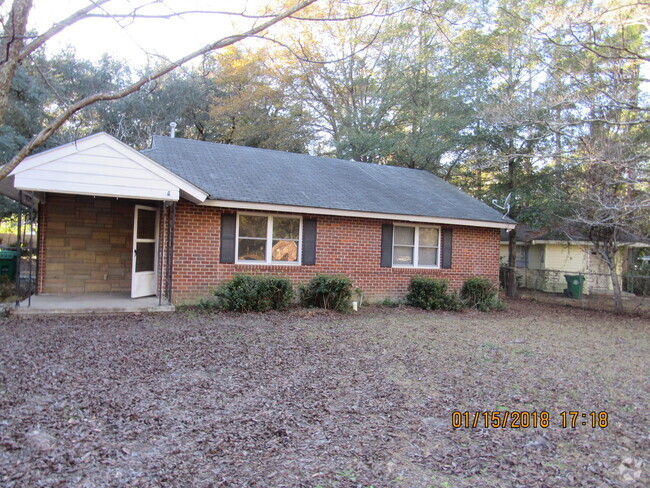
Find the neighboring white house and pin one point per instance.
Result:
(542, 263)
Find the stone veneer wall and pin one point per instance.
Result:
(86, 244)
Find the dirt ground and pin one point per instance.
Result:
(317, 399)
(633, 305)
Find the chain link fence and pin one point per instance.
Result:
(554, 281)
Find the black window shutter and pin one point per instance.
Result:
(387, 245)
(227, 251)
(309, 242)
(446, 248)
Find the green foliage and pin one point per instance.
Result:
(332, 292)
(207, 305)
(637, 283)
(246, 293)
(7, 290)
(389, 302)
(431, 294)
(478, 292)
(637, 279)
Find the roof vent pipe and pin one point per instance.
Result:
(172, 130)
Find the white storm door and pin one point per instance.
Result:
(145, 251)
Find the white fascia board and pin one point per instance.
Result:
(158, 195)
(561, 242)
(268, 207)
(585, 243)
(190, 191)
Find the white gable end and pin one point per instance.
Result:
(102, 166)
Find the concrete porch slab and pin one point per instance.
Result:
(90, 303)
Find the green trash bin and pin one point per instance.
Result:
(8, 262)
(574, 285)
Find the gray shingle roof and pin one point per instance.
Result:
(248, 174)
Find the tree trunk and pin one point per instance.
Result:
(616, 284)
(12, 45)
(511, 275)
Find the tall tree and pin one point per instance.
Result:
(604, 121)
(252, 105)
(16, 48)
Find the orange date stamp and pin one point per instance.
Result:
(504, 419)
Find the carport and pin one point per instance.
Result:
(106, 217)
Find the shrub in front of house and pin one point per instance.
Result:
(332, 292)
(478, 292)
(431, 294)
(245, 293)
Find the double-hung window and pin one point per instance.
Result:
(268, 239)
(416, 246)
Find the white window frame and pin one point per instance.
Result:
(416, 247)
(269, 240)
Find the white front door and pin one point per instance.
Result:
(145, 251)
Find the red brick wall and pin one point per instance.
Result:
(344, 245)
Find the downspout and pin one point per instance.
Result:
(170, 252)
(162, 225)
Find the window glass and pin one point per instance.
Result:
(415, 246)
(404, 236)
(285, 250)
(252, 226)
(146, 224)
(252, 250)
(428, 237)
(253, 243)
(403, 255)
(145, 256)
(522, 257)
(286, 228)
(428, 256)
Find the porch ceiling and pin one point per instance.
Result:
(8, 189)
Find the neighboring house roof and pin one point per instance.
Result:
(529, 235)
(245, 174)
(524, 234)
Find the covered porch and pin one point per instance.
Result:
(106, 217)
(91, 303)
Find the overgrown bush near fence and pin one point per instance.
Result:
(478, 292)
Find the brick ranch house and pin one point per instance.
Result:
(178, 219)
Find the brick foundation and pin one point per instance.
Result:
(344, 245)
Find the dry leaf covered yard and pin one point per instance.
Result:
(315, 399)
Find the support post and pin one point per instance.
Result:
(18, 244)
(31, 247)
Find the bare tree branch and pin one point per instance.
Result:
(47, 131)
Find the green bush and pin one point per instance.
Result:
(331, 292)
(637, 283)
(427, 293)
(478, 292)
(389, 302)
(453, 302)
(246, 293)
(431, 294)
